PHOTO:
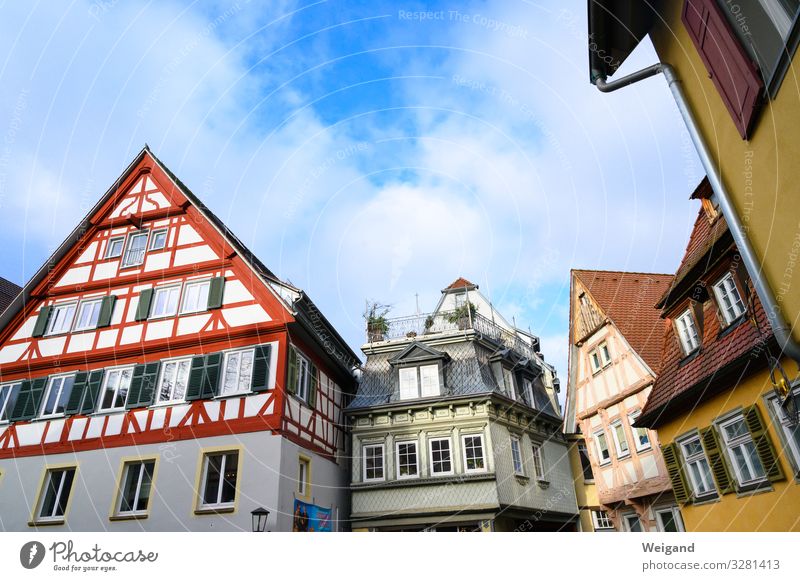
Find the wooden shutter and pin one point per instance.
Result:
(312, 389)
(29, 399)
(291, 370)
(675, 470)
(41, 321)
(261, 363)
(92, 391)
(734, 75)
(719, 466)
(75, 400)
(143, 385)
(215, 292)
(763, 443)
(143, 308)
(204, 377)
(106, 311)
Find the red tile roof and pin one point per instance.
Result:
(628, 299)
(460, 283)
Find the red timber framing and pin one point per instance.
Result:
(254, 310)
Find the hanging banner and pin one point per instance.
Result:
(311, 518)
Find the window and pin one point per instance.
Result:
(116, 384)
(407, 463)
(419, 381)
(605, 354)
(641, 437)
(508, 383)
(134, 251)
(516, 456)
(790, 433)
(527, 387)
(632, 523)
(408, 383)
(594, 359)
(114, 247)
(304, 380)
(441, 457)
(174, 379)
(601, 520)
(728, 299)
(237, 373)
(165, 301)
(195, 296)
(88, 315)
(55, 494)
(473, 453)
(303, 476)
(687, 332)
(698, 468)
(538, 461)
(373, 462)
(137, 481)
(429, 380)
(602, 448)
(61, 319)
(586, 464)
(669, 520)
(158, 240)
(620, 439)
(742, 451)
(8, 399)
(220, 472)
(57, 395)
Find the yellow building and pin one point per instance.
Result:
(592, 516)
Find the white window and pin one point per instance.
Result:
(135, 249)
(195, 296)
(641, 436)
(508, 383)
(165, 301)
(61, 318)
(605, 354)
(407, 460)
(429, 380)
(594, 359)
(173, 380)
(527, 386)
(632, 523)
(373, 462)
(620, 439)
(790, 433)
(742, 451)
(237, 372)
(603, 455)
(88, 315)
(728, 299)
(116, 384)
(474, 460)
(137, 481)
(158, 240)
(57, 395)
(303, 473)
(669, 520)
(419, 381)
(408, 383)
(687, 332)
(697, 467)
(220, 473)
(601, 520)
(55, 494)
(441, 456)
(8, 399)
(304, 380)
(538, 461)
(114, 247)
(516, 456)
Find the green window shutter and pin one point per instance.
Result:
(41, 321)
(106, 311)
(204, 377)
(261, 361)
(215, 292)
(676, 475)
(92, 391)
(143, 308)
(766, 451)
(29, 399)
(312, 390)
(291, 370)
(76, 395)
(719, 466)
(143, 385)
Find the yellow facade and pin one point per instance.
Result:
(585, 492)
(770, 510)
(761, 174)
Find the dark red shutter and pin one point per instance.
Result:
(734, 74)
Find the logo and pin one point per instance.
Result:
(31, 554)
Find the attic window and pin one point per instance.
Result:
(422, 381)
(687, 332)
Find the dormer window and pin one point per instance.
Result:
(728, 298)
(422, 381)
(687, 332)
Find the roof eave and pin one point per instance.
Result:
(615, 29)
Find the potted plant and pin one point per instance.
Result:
(429, 320)
(462, 315)
(377, 325)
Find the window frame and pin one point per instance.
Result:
(789, 446)
(202, 506)
(127, 463)
(740, 442)
(182, 310)
(617, 427)
(721, 293)
(632, 417)
(605, 354)
(397, 445)
(597, 435)
(103, 388)
(151, 247)
(129, 241)
(408, 371)
(626, 520)
(303, 476)
(597, 519)
(364, 467)
(517, 461)
(224, 369)
(50, 380)
(431, 460)
(107, 254)
(81, 304)
(594, 361)
(161, 288)
(483, 458)
(698, 457)
(302, 390)
(509, 389)
(583, 452)
(37, 517)
(676, 517)
(688, 314)
(539, 472)
(64, 329)
(4, 406)
(161, 374)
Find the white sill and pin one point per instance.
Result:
(109, 412)
(232, 395)
(164, 404)
(623, 456)
(215, 509)
(47, 522)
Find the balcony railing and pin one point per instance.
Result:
(446, 322)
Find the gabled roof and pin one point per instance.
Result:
(628, 299)
(417, 351)
(459, 284)
(8, 291)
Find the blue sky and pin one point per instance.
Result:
(362, 150)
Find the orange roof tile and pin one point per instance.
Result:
(459, 283)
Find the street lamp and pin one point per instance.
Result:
(260, 516)
(784, 390)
